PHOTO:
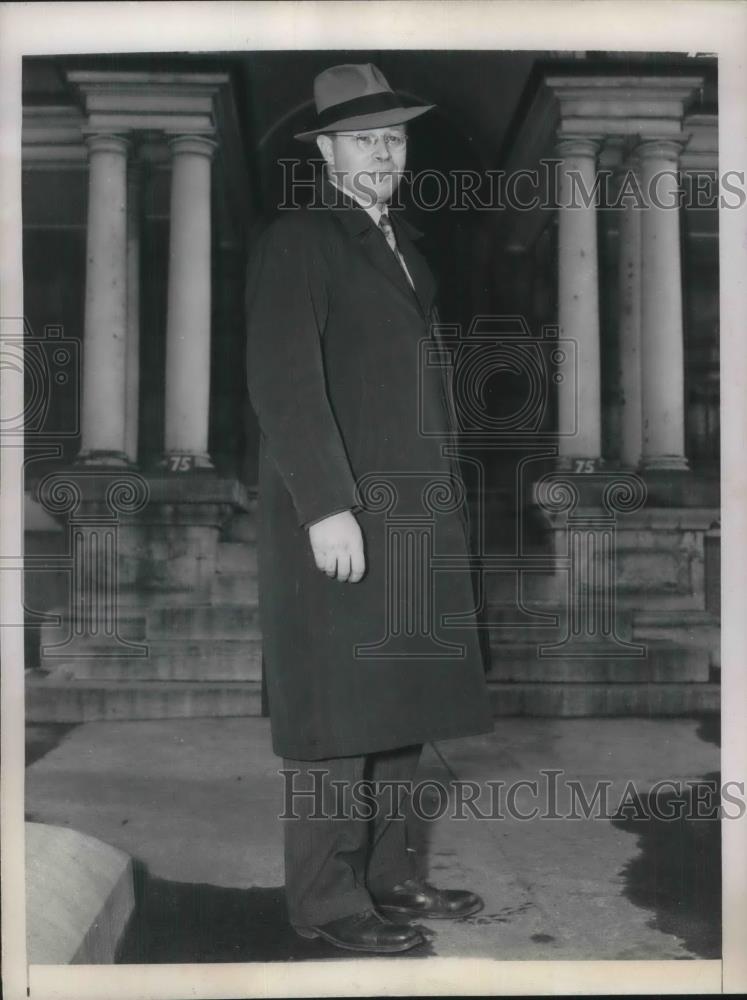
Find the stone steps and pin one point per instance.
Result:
(689, 629)
(539, 624)
(664, 663)
(236, 557)
(243, 526)
(171, 660)
(617, 699)
(205, 654)
(50, 700)
(235, 588)
(224, 621)
(165, 622)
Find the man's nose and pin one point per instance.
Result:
(381, 150)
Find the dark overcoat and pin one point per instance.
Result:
(352, 415)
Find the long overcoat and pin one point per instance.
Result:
(349, 393)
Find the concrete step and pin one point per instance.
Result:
(236, 557)
(701, 635)
(242, 527)
(678, 625)
(223, 621)
(171, 659)
(689, 629)
(139, 600)
(539, 622)
(532, 586)
(664, 663)
(577, 700)
(234, 588)
(131, 625)
(187, 621)
(674, 616)
(80, 895)
(49, 700)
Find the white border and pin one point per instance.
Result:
(712, 27)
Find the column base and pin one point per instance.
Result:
(181, 463)
(680, 488)
(172, 544)
(104, 459)
(664, 463)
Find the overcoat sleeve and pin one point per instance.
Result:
(287, 299)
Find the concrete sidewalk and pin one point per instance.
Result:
(195, 802)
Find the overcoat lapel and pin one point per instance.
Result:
(425, 288)
(358, 224)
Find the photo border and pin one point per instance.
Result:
(718, 28)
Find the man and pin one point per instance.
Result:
(356, 495)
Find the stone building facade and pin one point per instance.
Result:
(593, 464)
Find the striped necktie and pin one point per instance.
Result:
(385, 225)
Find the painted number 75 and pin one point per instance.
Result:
(180, 463)
(585, 465)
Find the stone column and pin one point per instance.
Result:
(132, 380)
(188, 323)
(579, 398)
(629, 327)
(663, 367)
(105, 325)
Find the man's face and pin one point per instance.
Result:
(368, 162)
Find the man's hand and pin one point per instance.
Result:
(337, 544)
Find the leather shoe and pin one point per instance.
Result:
(416, 898)
(368, 932)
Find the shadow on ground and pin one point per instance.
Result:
(677, 874)
(184, 922)
(709, 729)
(42, 738)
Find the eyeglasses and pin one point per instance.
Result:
(367, 142)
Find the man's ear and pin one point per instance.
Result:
(325, 147)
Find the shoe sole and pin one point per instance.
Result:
(403, 911)
(309, 935)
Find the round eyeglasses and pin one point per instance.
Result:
(367, 142)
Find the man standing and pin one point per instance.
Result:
(356, 497)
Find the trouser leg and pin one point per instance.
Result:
(390, 861)
(325, 858)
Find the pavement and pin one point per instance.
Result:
(195, 803)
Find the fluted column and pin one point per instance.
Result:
(662, 349)
(579, 398)
(188, 322)
(629, 326)
(105, 325)
(132, 380)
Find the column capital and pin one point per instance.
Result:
(659, 149)
(199, 145)
(106, 142)
(571, 145)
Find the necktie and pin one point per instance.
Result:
(385, 226)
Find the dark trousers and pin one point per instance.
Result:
(333, 865)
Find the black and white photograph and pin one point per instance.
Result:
(372, 415)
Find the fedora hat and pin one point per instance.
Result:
(356, 96)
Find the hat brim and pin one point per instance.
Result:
(375, 119)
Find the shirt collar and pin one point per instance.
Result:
(353, 220)
(372, 210)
